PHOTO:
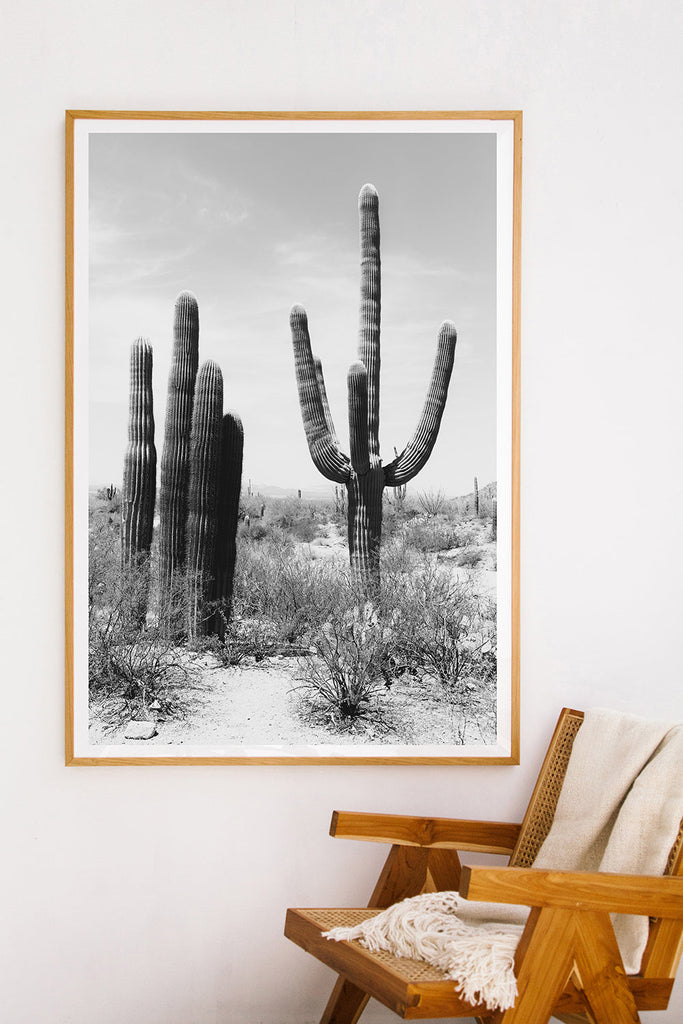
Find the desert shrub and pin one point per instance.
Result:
(242, 639)
(348, 672)
(251, 505)
(431, 535)
(294, 593)
(109, 498)
(441, 628)
(432, 503)
(398, 557)
(393, 518)
(298, 519)
(464, 535)
(129, 658)
(304, 530)
(470, 557)
(256, 531)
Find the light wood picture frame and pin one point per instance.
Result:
(219, 607)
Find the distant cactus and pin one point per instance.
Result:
(494, 520)
(362, 473)
(175, 467)
(340, 500)
(110, 492)
(401, 490)
(139, 469)
(202, 515)
(476, 498)
(229, 485)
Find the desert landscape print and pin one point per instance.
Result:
(290, 446)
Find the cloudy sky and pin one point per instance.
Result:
(252, 223)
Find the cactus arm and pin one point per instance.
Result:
(358, 418)
(325, 452)
(370, 305)
(323, 398)
(419, 448)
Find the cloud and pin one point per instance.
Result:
(236, 214)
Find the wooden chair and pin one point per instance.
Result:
(567, 963)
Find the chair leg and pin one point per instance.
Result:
(408, 871)
(557, 943)
(606, 990)
(543, 964)
(404, 874)
(346, 1003)
(443, 870)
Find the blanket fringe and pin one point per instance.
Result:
(477, 956)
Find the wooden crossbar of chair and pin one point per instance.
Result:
(567, 962)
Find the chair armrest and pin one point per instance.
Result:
(438, 833)
(650, 895)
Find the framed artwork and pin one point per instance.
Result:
(292, 445)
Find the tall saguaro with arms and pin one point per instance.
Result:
(362, 471)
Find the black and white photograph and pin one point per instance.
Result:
(293, 439)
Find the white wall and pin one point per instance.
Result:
(157, 896)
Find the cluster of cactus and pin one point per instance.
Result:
(201, 472)
(362, 471)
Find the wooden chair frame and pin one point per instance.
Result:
(567, 963)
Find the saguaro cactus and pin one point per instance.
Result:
(476, 497)
(228, 508)
(175, 467)
(362, 473)
(202, 516)
(139, 474)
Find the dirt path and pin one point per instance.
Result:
(262, 704)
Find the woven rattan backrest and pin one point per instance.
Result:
(541, 810)
(674, 865)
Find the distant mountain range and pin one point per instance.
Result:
(486, 493)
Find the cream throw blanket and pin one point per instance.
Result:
(619, 810)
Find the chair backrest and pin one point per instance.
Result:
(665, 944)
(541, 810)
